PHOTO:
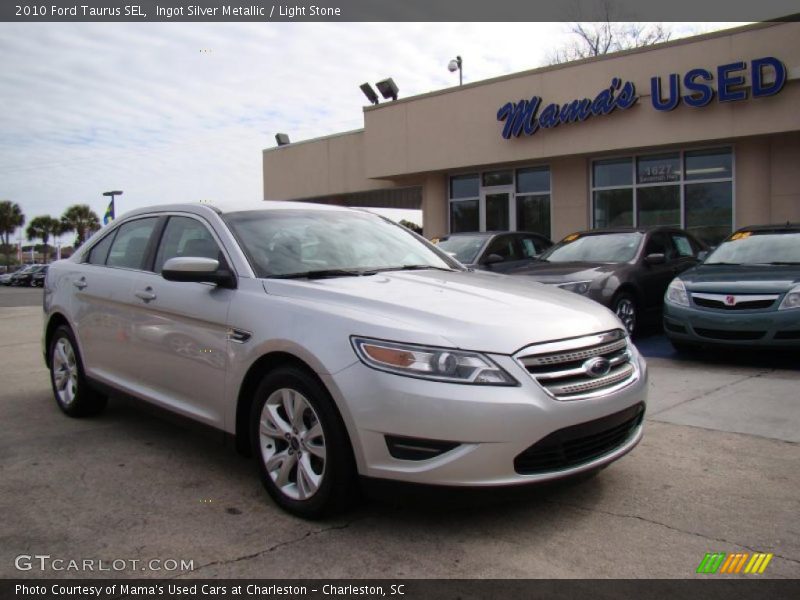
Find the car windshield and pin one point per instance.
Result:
(758, 247)
(308, 242)
(464, 248)
(607, 248)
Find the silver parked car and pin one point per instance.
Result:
(334, 343)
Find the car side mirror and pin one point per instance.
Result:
(197, 269)
(702, 255)
(492, 259)
(657, 258)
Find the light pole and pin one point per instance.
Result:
(109, 214)
(456, 65)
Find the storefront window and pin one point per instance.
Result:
(709, 210)
(708, 164)
(496, 212)
(613, 208)
(659, 205)
(533, 214)
(491, 178)
(464, 216)
(691, 189)
(501, 200)
(464, 186)
(612, 173)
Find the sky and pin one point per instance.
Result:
(174, 112)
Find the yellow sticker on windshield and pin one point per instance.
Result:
(572, 237)
(434, 240)
(740, 235)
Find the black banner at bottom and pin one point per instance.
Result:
(399, 589)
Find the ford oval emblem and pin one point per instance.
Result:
(597, 366)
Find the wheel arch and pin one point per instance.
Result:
(245, 397)
(54, 322)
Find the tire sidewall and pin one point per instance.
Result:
(338, 478)
(615, 304)
(86, 400)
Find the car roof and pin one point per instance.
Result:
(605, 230)
(230, 206)
(490, 233)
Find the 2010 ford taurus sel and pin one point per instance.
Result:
(334, 343)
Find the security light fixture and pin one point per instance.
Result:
(388, 88)
(282, 139)
(369, 93)
(112, 194)
(455, 65)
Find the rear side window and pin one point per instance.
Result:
(99, 253)
(130, 245)
(184, 236)
(682, 245)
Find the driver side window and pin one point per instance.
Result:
(184, 236)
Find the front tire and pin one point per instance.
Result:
(72, 392)
(301, 444)
(624, 306)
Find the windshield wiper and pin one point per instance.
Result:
(781, 262)
(324, 273)
(723, 263)
(415, 268)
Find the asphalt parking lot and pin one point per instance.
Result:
(717, 471)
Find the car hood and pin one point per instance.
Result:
(553, 273)
(741, 278)
(469, 310)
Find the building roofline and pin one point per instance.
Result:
(610, 56)
(316, 139)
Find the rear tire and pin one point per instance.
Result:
(72, 392)
(301, 445)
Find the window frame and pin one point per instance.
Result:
(509, 188)
(682, 182)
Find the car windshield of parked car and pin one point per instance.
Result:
(757, 247)
(463, 248)
(606, 248)
(297, 243)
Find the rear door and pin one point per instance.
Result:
(102, 300)
(180, 332)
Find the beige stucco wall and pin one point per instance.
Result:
(420, 140)
(457, 128)
(331, 165)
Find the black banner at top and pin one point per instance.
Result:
(395, 10)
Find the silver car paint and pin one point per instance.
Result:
(314, 320)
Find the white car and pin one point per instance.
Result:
(334, 343)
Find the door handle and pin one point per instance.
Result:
(80, 283)
(145, 294)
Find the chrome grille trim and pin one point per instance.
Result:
(559, 366)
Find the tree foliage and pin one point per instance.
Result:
(42, 228)
(81, 219)
(606, 33)
(11, 217)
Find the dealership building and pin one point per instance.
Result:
(702, 133)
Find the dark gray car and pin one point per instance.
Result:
(498, 251)
(627, 270)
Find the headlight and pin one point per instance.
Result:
(791, 300)
(579, 287)
(676, 293)
(438, 364)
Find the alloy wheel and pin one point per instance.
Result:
(292, 443)
(626, 311)
(65, 372)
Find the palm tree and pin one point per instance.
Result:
(81, 219)
(42, 228)
(11, 217)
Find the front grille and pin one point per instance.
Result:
(725, 334)
(735, 301)
(580, 444)
(564, 368)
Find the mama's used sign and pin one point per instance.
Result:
(526, 117)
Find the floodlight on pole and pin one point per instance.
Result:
(369, 93)
(388, 88)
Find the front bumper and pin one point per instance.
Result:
(771, 328)
(492, 425)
